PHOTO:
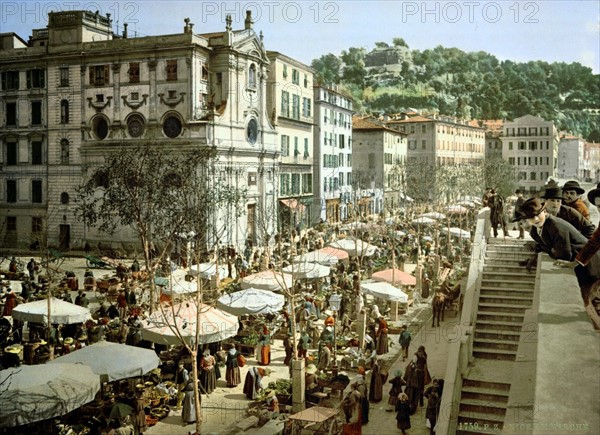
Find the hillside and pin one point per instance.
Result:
(475, 85)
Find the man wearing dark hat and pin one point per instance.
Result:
(553, 201)
(593, 245)
(572, 192)
(561, 241)
(496, 204)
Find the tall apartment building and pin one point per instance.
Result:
(591, 161)
(570, 158)
(379, 154)
(438, 141)
(493, 142)
(530, 144)
(76, 91)
(291, 108)
(332, 154)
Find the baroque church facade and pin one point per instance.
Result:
(75, 91)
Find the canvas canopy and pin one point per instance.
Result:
(307, 270)
(35, 393)
(113, 361)
(394, 276)
(251, 301)
(267, 280)
(61, 312)
(384, 291)
(354, 247)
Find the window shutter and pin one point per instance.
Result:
(91, 75)
(29, 79)
(3, 81)
(43, 78)
(106, 74)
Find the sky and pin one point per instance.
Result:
(552, 31)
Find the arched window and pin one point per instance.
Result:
(64, 112)
(64, 198)
(252, 76)
(64, 152)
(100, 127)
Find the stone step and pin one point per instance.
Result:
(480, 418)
(480, 405)
(482, 393)
(485, 307)
(501, 291)
(493, 268)
(488, 343)
(515, 275)
(501, 317)
(500, 387)
(498, 354)
(492, 325)
(505, 299)
(496, 335)
(502, 283)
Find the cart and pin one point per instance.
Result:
(96, 263)
(317, 419)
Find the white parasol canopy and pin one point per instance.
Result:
(34, 393)
(251, 301)
(458, 232)
(457, 209)
(113, 361)
(326, 256)
(208, 270)
(385, 291)
(434, 215)
(354, 247)
(61, 312)
(423, 221)
(267, 280)
(307, 270)
(168, 324)
(177, 285)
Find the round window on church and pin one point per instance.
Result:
(101, 128)
(135, 126)
(172, 127)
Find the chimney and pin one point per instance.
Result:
(125, 30)
(248, 22)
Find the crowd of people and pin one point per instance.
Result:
(559, 223)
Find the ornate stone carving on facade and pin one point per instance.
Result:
(134, 105)
(152, 64)
(116, 67)
(171, 102)
(97, 105)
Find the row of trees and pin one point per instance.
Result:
(468, 85)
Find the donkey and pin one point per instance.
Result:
(438, 305)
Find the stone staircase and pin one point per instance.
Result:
(506, 291)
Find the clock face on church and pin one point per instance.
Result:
(252, 131)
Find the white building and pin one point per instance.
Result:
(530, 144)
(570, 161)
(333, 154)
(76, 91)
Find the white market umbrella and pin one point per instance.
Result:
(326, 256)
(434, 215)
(179, 286)
(251, 301)
(307, 270)
(457, 209)
(167, 325)
(423, 220)
(267, 280)
(34, 393)
(385, 291)
(458, 232)
(113, 361)
(208, 270)
(354, 247)
(61, 312)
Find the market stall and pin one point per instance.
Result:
(30, 393)
(267, 280)
(251, 301)
(112, 361)
(61, 312)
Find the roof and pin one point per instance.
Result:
(418, 118)
(362, 123)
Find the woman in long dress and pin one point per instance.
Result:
(208, 377)
(139, 416)
(403, 413)
(188, 413)
(253, 384)
(265, 347)
(378, 378)
(232, 374)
